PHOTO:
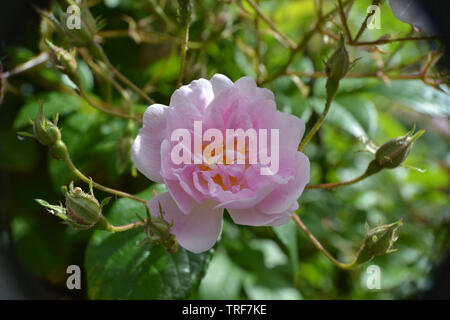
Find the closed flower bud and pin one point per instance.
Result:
(159, 231)
(337, 67)
(339, 62)
(45, 131)
(65, 61)
(394, 152)
(83, 209)
(378, 241)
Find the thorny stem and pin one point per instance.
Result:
(337, 184)
(286, 41)
(149, 37)
(184, 48)
(384, 41)
(301, 45)
(125, 227)
(39, 59)
(317, 125)
(319, 246)
(103, 74)
(364, 23)
(64, 155)
(258, 50)
(413, 76)
(123, 78)
(344, 22)
(88, 99)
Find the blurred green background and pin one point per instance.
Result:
(248, 262)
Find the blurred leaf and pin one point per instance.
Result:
(42, 248)
(415, 95)
(339, 116)
(362, 109)
(288, 235)
(17, 155)
(223, 280)
(117, 268)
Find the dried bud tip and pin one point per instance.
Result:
(378, 241)
(394, 152)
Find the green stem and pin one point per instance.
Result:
(98, 70)
(98, 51)
(286, 41)
(301, 45)
(316, 126)
(337, 184)
(88, 99)
(384, 41)
(372, 168)
(125, 227)
(319, 246)
(364, 23)
(344, 22)
(61, 151)
(184, 48)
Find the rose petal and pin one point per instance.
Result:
(291, 130)
(197, 231)
(284, 195)
(254, 217)
(247, 88)
(145, 152)
(219, 83)
(199, 93)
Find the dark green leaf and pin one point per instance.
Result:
(118, 268)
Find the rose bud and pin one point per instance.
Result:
(378, 241)
(337, 67)
(65, 62)
(159, 231)
(394, 152)
(83, 209)
(45, 131)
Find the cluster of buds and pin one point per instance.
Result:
(158, 231)
(82, 210)
(378, 241)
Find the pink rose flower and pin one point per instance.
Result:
(198, 193)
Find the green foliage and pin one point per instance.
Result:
(119, 267)
(248, 262)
